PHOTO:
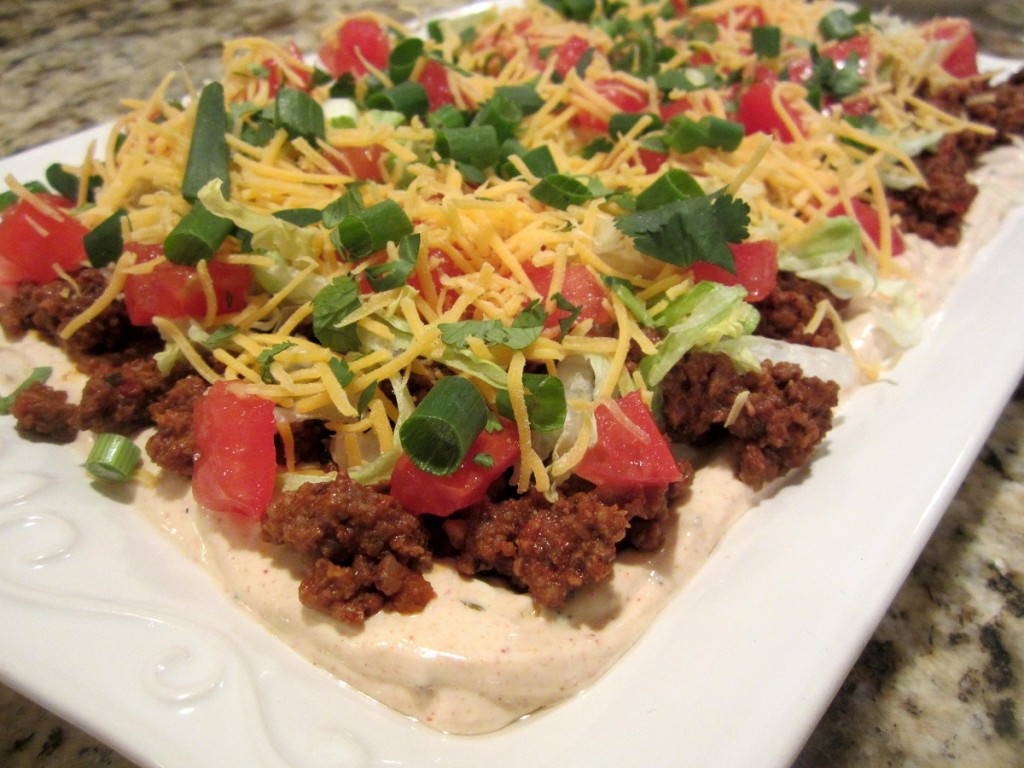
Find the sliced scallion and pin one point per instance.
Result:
(767, 41)
(501, 112)
(208, 151)
(623, 122)
(438, 434)
(299, 114)
(103, 245)
(402, 59)
(197, 236)
(525, 96)
(673, 184)
(446, 116)
(113, 457)
(8, 198)
(409, 98)
(364, 232)
(475, 145)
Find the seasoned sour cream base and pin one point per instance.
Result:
(480, 655)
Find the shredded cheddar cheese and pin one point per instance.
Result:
(491, 249)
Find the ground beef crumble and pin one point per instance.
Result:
(44, 413)
(786, 311)
(785, 417)
(936, 210)
(367, 553)
(172, 444)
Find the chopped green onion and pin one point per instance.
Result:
(684, 134)
(299, 114)
(331, 306)
(113, 457)
(446, 116)
(208, 152)
(367, 231)
(409, 98)
(40, 374)
(438, 434)
(525, 96)
(104, 244)
(560, 191)
(197, 236)
(767, 41)
(475, 145)
(66, 184)
(622, 123)
(501, 112)
(402, 59)
(673, 184)
(545, 402)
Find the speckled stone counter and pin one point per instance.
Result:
(942, 680)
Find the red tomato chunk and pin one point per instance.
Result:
(236, 462)
(359, 41)
(425, 494)
(628, 454)
(176, 291)
(757, 268)
(34, 244)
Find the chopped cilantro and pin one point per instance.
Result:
(266, 357)
(523, 331)
(686, 231)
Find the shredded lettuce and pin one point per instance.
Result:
(701, 317)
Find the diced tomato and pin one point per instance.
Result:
(757, 112)
(358, 40)
(651, 161)
(568, 54)
(361, 163)
(622, 96)
(961, 59)
(275, 78)
(236, 463)
(757, 268)
(628, 454)
(32, 243)
(871, 223)
(580, 287)
(670, 109)
(742, 17)
(425, 494)
(175, 290)
(441, 264)
(434, 79)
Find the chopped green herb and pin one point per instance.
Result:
(331, 306)
(545, 402)
(560, 190)
(342, 372)
(523, 331)
(683, 232)
(266, 357)
(767, 41)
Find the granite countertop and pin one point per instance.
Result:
(942, 680)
